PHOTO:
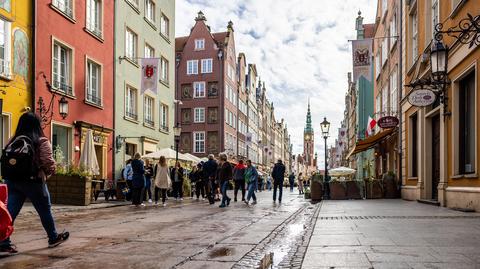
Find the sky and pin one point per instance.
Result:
(300, 48)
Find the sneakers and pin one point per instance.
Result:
(164, 204)
(246, 202)
(181, 199)
(203, 199)
(222, 206)
(142, 204)
(8, 251)
(254, 202)
(228, 201)
(61, 237)
(150, 201)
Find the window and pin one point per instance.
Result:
(192, 67)
(199, 44)
(149, 51)
(164, 117)
(148, 111)
(94, 17)
(385, 100)
(466, 126)
(4, 130)
(414, 39)
(94, 84)
(198, 89)
(131, 103)
(164, 26)
(65, 6)
(230, 72)
(199, 115)
(378, 105)
(150, 10)
(164, 70)
(207, 65)
(377, 65)
(435, 15)
(62, 144)
(384, 6)
(393, 92)
(199, 142)
(384, 49)
(5, 46)
(131, 45)
(393, 31)
(414, 145)
(62, 68)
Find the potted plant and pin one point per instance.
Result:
(353, 190)
(316, 187)
(71, 184)
(337, 189)
(390, 185)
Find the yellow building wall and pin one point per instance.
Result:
(16, 91)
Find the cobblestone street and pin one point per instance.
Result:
(332, 234)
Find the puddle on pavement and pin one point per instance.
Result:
(220, 252)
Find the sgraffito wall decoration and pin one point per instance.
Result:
(20, 53)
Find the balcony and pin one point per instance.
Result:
(64, 6)
(62, 87)
(5, 69)
(94, 99)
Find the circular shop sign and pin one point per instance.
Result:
(422, 97)
(388, 122)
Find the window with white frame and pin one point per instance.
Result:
(199, 44)
(393, 30)
(384, 49)
(150, 10)
(5, 47)
(62, 68)
(131, 45)
(134, 2)
(199, 115)
(234, 121)
(149, 51)
(230, 72)
(378, 105)
(414, 36)
(164, 70)
(5, 124)
(377, 65)
(384, 6)
(131, 103)
(435, 15)
(164, 26)
(148, 108)
(393, 91)
(199, 142)
(385, 94)
(207, 65)
(65, 6)
(94, 17)
(192, 67)
(199, 89)
(164, 117)
(94, 85)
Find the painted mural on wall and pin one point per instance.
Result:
(6, 4)
(20, 54)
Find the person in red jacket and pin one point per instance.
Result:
(239, 178)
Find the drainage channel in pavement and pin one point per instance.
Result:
(285, 247)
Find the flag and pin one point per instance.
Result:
(149, 74)
(370, 126)
(362, 59)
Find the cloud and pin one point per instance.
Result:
(300, 48)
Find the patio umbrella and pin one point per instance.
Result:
(88, 158)
(194, 158)
(341, 171)
(168, 153)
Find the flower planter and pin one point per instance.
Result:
(353, 191)
(390, 188)
(373, 189)
(70, 190)
(316, 190)
(337, 191)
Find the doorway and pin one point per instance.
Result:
(435, 156)
(99, 154)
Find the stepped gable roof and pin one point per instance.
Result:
(181, 41)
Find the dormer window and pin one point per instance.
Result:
(199, 44)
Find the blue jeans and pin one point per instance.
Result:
(40, 198)
(278, 185)
(292, 184)
(224, 189)
(251, 192)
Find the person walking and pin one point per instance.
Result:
(138, 180)
(127, 176)
(225, 174)
(199, 182)
(300, 183)
(210, 173)
(278, 174)
(177, 176)
(269, 182)
(33, 186)
(251, 178)
(148, 181)
(291, 181)
(239, 178)
(162, 180)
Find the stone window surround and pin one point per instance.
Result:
(90, 59)
(72, 65)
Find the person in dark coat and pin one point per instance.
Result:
(291, 180)
(199, 182)
(239, 177)
(176, 175)
(138, 180)
(210, 172)
(225, 174)
(278, 174)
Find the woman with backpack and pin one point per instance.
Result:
(161, 179)
(30, 146)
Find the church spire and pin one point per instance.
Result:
(308, 124)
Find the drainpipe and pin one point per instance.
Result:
(400, 95)
(114, 151)
(33, 60)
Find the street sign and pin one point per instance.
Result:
(421, 97)
(388, 122)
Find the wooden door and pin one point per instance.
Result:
(435, 156)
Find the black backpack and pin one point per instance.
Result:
(18, 161)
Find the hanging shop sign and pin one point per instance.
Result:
(422, 97)
(388, 122)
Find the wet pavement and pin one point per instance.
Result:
(186, 234)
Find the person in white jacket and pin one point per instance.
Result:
(162, 179)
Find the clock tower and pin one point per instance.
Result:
(308, 141)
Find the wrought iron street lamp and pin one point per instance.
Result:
(325, 127)
(63, 107)
(177, 131)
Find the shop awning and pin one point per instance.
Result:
(370, 142)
